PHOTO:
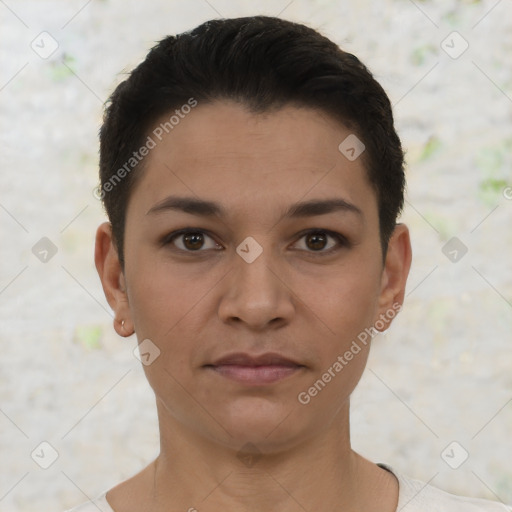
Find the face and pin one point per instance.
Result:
(253, 235)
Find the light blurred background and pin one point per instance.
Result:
(442, 373)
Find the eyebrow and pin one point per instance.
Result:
(207, 208)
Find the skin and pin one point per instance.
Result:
(296, 298)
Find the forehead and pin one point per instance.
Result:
(224, 152)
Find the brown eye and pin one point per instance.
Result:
(316, 241)
(193, 241)
(189, 240)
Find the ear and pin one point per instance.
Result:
(112, 279)
(394, 276)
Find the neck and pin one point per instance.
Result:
(321, 473)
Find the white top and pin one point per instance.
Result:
(413, 496)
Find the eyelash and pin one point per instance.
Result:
(341, 240)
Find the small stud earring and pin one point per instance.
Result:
(122, 325)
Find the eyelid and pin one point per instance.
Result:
(341, 240)
(169, 238)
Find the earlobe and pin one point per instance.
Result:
(394, 274)
(112, 278)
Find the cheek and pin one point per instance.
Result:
(347, 306)
(152, 299)
(158, 293)
(163, 311)
(170, 305)
(347, 301)
(160, 300)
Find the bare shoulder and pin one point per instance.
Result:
(128, 496)
(132, 494)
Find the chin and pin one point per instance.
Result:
(266, 426)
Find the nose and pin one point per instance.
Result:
(255, 294)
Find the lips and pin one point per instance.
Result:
(268, 359)
(253, 370)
